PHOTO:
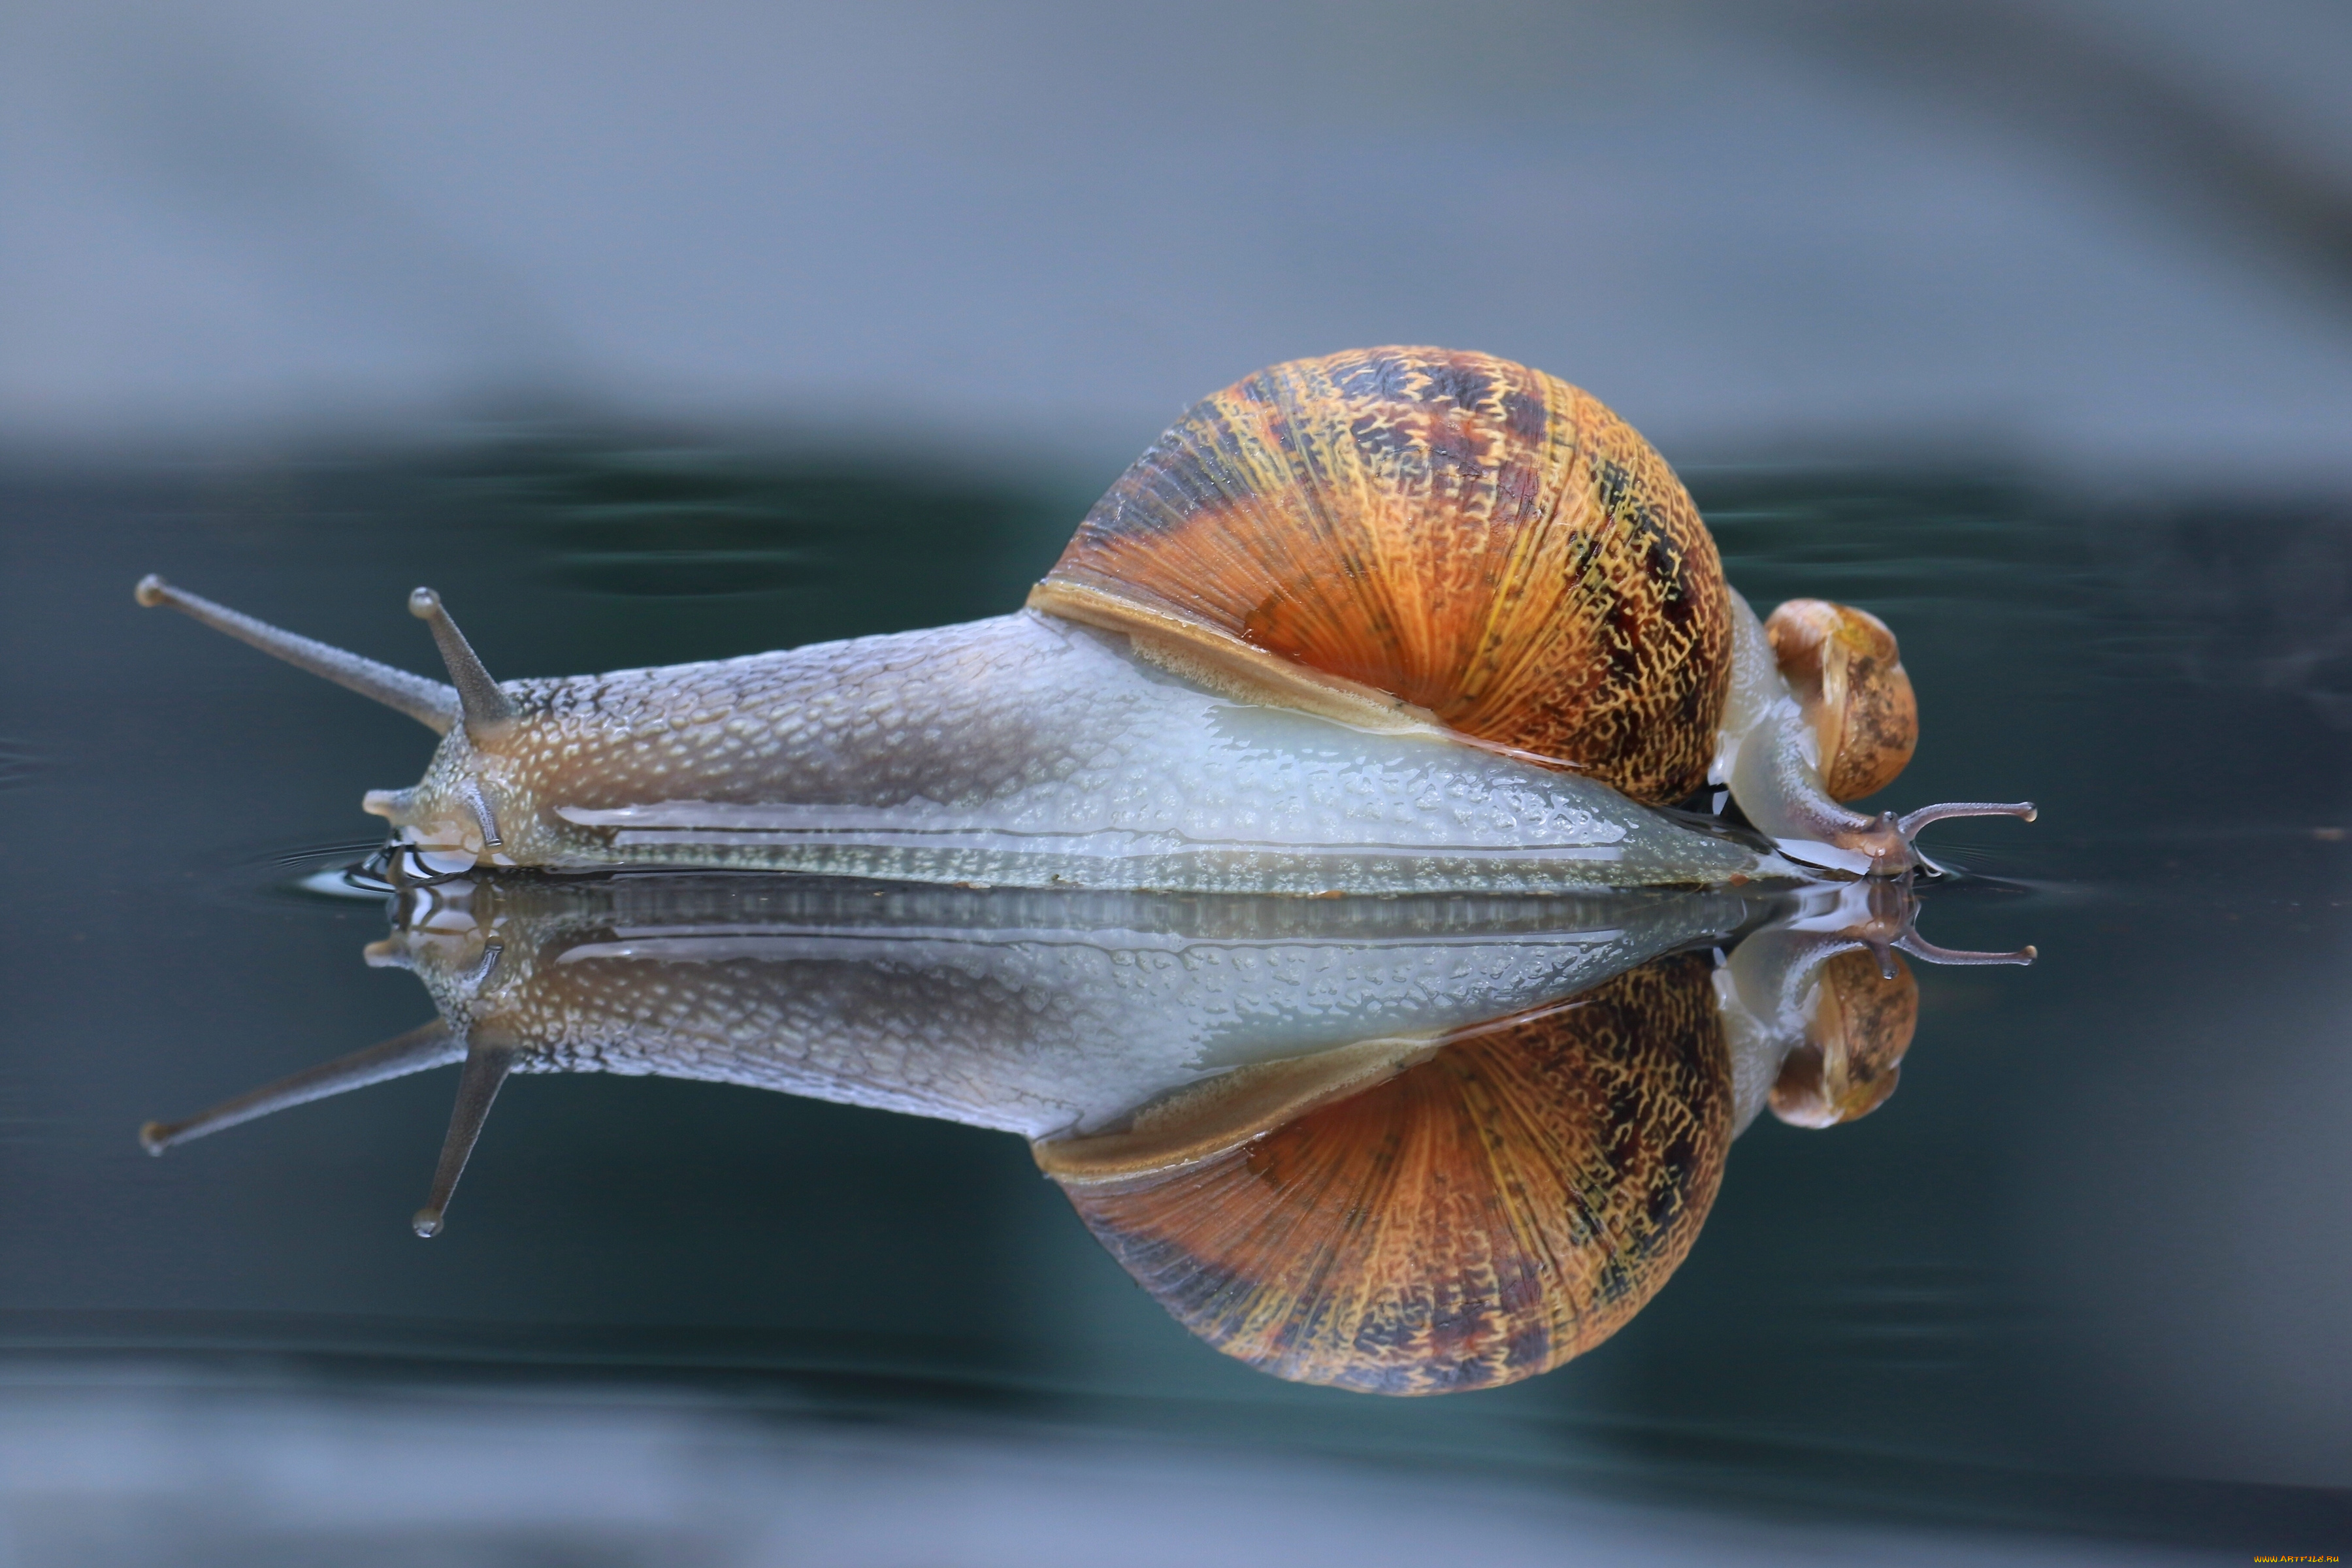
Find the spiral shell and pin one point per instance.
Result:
(1479, 1217)
(1484, 544)
(1844, 669)
(1863, 1022)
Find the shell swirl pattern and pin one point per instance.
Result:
(1475, 537)
(1478, 1219)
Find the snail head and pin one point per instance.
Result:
(452, 820)
(1861, 724)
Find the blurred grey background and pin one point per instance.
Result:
(2112, 235)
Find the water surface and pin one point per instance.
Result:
(2088, 1271)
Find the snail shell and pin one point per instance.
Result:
(1478, 1217)
(1845, 672)
(1477, 540)
(1863, 1022)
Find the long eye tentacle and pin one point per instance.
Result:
(485, 1068)
(1920, 947)
(430, 703)
(1908, 825)
(419, 1050)
(489, 712)
(1911, 822)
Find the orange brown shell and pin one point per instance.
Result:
(1482, 542)
(1843, 668)
(1508, 1203)
(1853, 1053)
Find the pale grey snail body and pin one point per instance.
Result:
(1395, 621)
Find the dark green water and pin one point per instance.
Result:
(2089, 1271)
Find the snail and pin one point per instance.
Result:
(1404, 1145)
(1394, 620)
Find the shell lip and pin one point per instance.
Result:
(1227, 662)
(1200, 1122)
(1166, 635)
(1197, 1123)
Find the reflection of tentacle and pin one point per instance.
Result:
(485, 1068)
(432, 1046)
(1906, 912)
(1888, 919)
(1817, 1007)
(1918, 946)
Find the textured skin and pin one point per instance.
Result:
(1031, 751)
(1039, 1014)
(1478, 538)
(1476, 1219)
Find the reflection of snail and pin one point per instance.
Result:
(1482, 1215)
(1863, 1021)
(1820, 999)
(1515, 1198)
(1394, 620)
(1041, 1013)
(1407, 1145)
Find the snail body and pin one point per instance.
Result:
(1024, 751)
(1397, 620)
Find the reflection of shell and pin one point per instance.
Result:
(1862, 1025)
(1482, 1217)
(1485, 542)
